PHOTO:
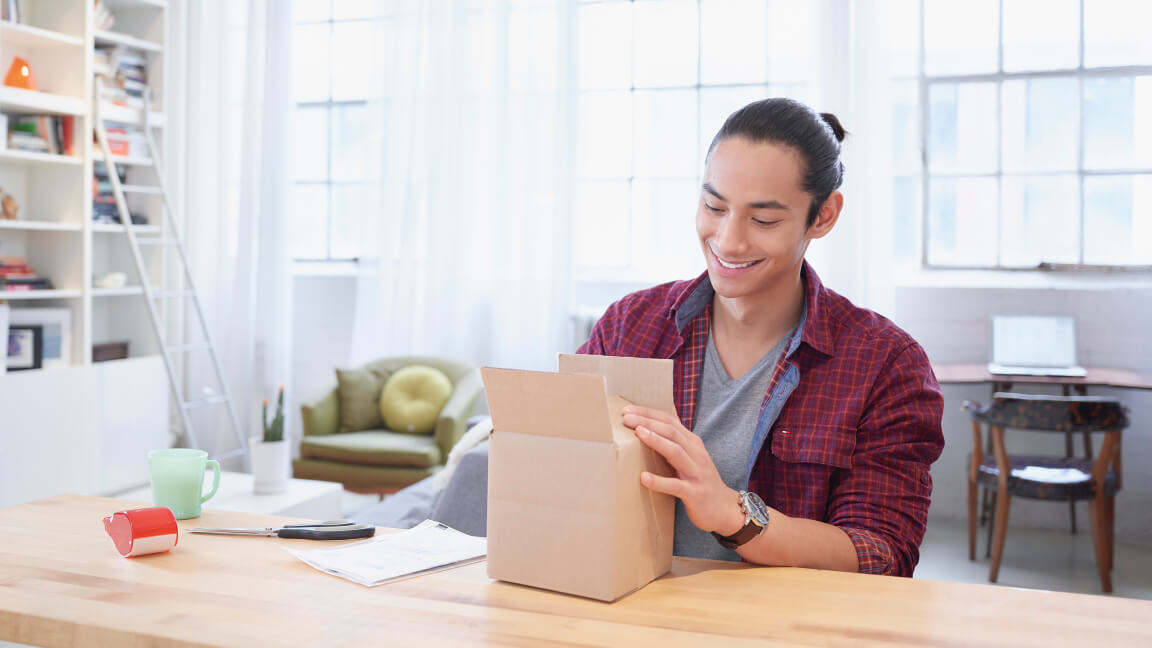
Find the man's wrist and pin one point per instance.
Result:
(734, 517)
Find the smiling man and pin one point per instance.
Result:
(806, 425)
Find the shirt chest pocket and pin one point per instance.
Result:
(826, 445)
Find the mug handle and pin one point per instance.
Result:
(215, 466)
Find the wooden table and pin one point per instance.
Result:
(62, 583)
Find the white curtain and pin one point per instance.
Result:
(232, 74)
(852, 82)
(470, 245)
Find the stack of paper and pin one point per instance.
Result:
(428, 547)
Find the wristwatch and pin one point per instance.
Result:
(755, 521)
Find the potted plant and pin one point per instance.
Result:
(271, 453)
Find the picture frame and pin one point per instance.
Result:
(25, 347)
(56, 333)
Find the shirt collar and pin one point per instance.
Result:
(815, 330)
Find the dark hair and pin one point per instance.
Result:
(815, 136)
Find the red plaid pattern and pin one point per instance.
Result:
(852, 444)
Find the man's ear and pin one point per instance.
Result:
(827, 216)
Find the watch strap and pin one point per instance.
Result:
(745, 534)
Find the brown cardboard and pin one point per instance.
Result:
(566, 510)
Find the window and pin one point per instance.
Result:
(655, 80)
(332, 162)
(1016, 137)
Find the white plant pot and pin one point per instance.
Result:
(271, 465)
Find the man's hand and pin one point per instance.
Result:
(710, 504)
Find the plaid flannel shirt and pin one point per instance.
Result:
(848, 427)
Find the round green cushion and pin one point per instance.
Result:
(413, 397)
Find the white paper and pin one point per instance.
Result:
(428, 547)
(1051, 475)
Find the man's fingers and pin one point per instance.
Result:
(655, 415)
(663, 428)
(668, 485)
(670, 450)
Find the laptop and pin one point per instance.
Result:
(1034, 345)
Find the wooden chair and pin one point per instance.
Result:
(1046, 477)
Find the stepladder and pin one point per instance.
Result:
(136, 174)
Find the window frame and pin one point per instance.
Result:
(1079, 74)
(329, 106)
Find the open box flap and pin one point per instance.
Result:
(547, 404)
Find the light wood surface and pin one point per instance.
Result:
(62, 583)
(1096, 376)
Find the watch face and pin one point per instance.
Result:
(755, 508)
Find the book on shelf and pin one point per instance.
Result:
(125, 75)
(12, 10)
(102, 18)
(104, 208)
(15, 275)
(42, 133)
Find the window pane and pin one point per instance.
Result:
(963, 127)
(311, 10)
(1041, 119)
(732, 44)
(962, 221)
(602, 229)
(905, 127)
(1039, 221)
(666, 38)
(716, 104)
(310, 144)
(903, 36)
(1117, 226)
(961, 37)
(1116, 32)
(353, 60)
(793, 50)
(664, 228)
(1047, 44)
(352, 129)
(906, 217)
(310, 62)
(665, 124)
(1113, 137)
(310, 221)
(605, 134)
(605, 53)
(351, 206)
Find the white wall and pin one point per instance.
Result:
(1114, 323)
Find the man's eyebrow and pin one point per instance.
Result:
(764, 204)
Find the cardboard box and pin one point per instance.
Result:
(566, 510)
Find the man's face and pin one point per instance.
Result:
(752, 216)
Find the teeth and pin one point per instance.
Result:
(736, 266)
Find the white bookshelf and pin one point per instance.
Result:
(108, 413)
(55, 233)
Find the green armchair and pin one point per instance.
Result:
(381, 460)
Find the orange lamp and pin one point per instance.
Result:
(20, 75)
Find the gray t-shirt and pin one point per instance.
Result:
(727, 410)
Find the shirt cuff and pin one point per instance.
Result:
(873, 552)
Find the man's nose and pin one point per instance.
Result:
(730, 235)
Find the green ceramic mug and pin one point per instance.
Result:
(178, 479)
